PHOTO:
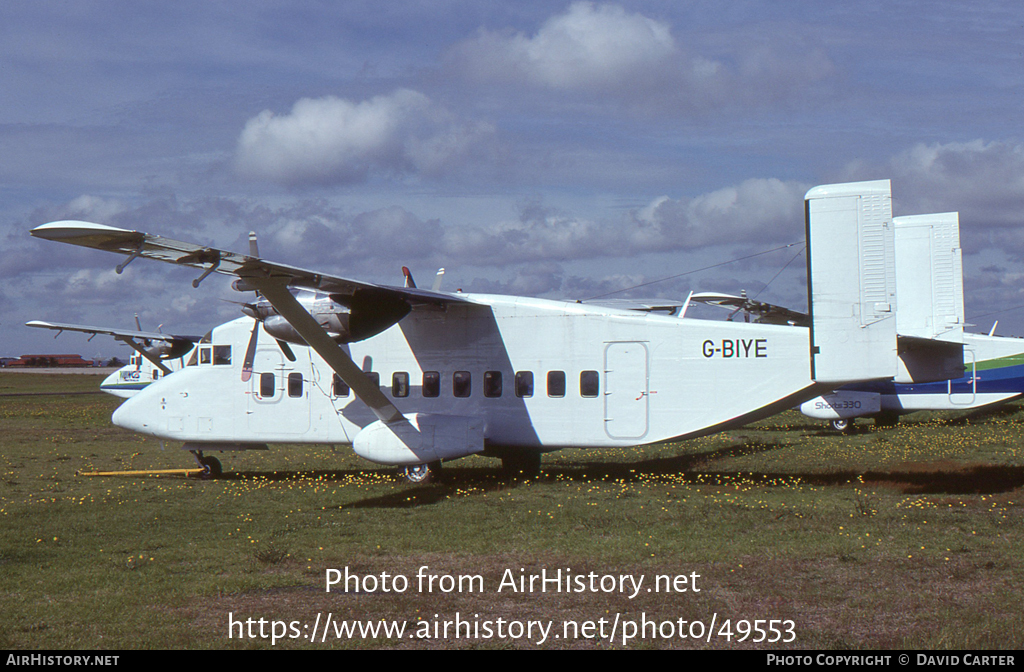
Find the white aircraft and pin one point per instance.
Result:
(155, 354)
(413, 377)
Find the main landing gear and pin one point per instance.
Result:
(210, 465)
(842, 425)
(421, 474)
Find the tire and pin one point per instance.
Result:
(211, 468)
(842, 425)
(422, 474)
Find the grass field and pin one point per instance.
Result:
(907, 537)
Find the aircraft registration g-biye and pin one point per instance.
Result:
(412, 377)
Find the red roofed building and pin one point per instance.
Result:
(50, 361)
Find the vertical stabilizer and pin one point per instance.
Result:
(851, 273)
(929, 277)
(930, 287)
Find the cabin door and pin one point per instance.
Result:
(278, 394)
(625, 390)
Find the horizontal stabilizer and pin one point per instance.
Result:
(851, 272)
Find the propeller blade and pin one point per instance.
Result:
(250, 353)
(286, 349)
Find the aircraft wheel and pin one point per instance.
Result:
(421, 474)
(211, 468)
(524, 464)
(842, 425)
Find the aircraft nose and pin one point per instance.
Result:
(129, 416)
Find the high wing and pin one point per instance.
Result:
(117, 333)
(376, 305)
(767, 313)
(211, 260)
(176, 345)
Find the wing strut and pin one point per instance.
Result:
(288, 307)
(142, 351)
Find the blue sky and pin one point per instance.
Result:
(556, 149)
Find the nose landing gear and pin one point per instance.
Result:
(210, 465)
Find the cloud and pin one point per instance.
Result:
(333, 140)
(982, 180)
(755, 211)
(606, 51)
(585, 47)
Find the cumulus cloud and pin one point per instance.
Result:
(603, 49)
(335, 140)
(586, 46)
(755, 211)
(982, 180)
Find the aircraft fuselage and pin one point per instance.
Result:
(537, 373)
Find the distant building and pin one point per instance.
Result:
(50, 361)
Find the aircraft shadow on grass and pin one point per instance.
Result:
(942, 478)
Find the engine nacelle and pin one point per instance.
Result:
(424, 438)
(842, 404)
(171, 350)
(346, 319)
(280, 328)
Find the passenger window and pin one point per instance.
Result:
(431, 384)
(589, 383)
(221, 355)
(267, 386)
(492, 383)
(156, 373)
(374, 378)
(340, 388)
(524, 383)
(204, 355)
(294, 384)
(556, 383)
(400, 384)
(461, 384)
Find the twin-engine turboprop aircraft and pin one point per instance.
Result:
(156, 354)
(413, 377)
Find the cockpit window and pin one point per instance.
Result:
(194, 358)
(221, 355)
(204, 355)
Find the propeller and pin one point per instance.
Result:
(251, 309)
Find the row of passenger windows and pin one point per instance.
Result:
(462, 384)
(493, 384)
